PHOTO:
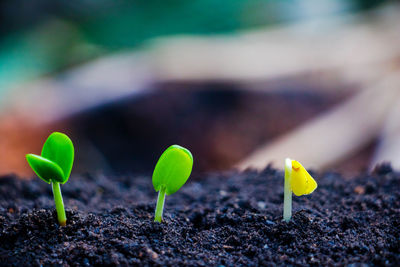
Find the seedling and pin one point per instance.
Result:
(298, 180)
(54, 166)
(170, 174)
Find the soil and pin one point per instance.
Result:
(225, 219)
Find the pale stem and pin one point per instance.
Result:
(62, 218)
(287, 200)
(160, 205)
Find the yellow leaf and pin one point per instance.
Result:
(302, 182)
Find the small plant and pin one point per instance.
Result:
(298, 180)
(170, 174)
(54, 166)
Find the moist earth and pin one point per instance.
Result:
(224, 219)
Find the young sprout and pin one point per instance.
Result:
(54, 166)
(298, 180)
(171, 173)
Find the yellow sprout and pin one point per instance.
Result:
(302, 182)
(298, 181)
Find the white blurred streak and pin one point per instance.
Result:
(388, 149)
(336, 134)
(348, 45)
(101, 81)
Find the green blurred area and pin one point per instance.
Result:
(44, 37)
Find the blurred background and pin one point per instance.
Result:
(240, 83)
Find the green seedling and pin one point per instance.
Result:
(170, 174)
(298, 181)
(54, 166)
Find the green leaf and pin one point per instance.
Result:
(172, 169)
(47, 170)
(59, 149)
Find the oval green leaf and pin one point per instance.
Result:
(172, 169)
(59, 149)
(45, 169)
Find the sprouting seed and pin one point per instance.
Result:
(298, 180)
(170, 174)
(54, 166)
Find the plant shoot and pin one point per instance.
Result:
(170, 174)
(54, 166)
(298, 181)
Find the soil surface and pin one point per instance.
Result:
(225, 219)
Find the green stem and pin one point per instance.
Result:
(287, 200)
(62, 218)
(160, 205)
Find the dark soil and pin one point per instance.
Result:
(224, 219)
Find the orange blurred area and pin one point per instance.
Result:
(20, 137)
